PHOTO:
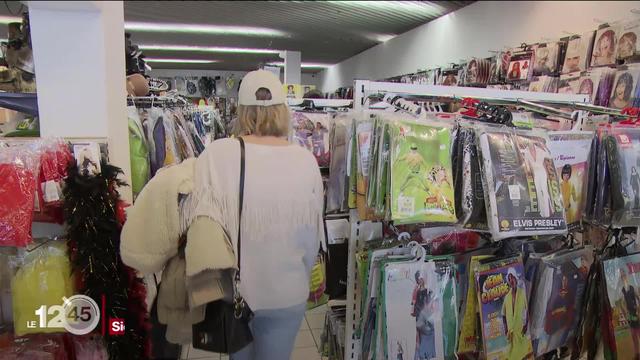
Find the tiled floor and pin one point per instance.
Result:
(306, 347)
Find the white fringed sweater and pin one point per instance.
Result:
(282, 225)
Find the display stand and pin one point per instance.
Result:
(363, 89)
(320, 103)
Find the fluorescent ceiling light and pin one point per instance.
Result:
(202, 29)
(422, 7)
(303, 65)
(214, 49)
(10, 19)
(183, 61)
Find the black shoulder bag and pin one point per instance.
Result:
(225, 328)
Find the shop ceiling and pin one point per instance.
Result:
(242, 35)
(325, 32)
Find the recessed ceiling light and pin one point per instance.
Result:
(214, 49)
(184, 61)
(202, 29)
(304, 65)
(10, 19)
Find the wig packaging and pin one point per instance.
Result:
(570, 151)
(520, 65)
(622, 280)
(522, 191)
(623, 150)
(421, 174)
(604, 47)
(589, 84)
(546, 59)
(503, 308)
(628, 48)
(577, 56)
(623, 91)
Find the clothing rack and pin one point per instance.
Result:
(363, 90)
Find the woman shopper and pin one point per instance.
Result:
(281, 224)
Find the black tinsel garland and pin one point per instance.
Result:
(93, 229)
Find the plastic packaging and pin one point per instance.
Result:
(18, 171)
(502, 300)
(36, 347)
(337, 186)
(521, 185)
(311, 130)
(557, 301)
(89, 348)
(43, 279)
(623, 155)
(570, 151)
(421, 174)
(420, 318)
(622, 283)
(470, 205)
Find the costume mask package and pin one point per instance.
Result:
(421, 174)
(521, 185)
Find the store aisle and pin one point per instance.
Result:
(307, 342)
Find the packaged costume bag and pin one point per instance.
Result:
(522, 189)
(570, 151)
(557, 303)
(622, 286)
(469, 191)
(311, 130)
(623, 150)
(503, 309)
(337, 186)
(318, 284)
(364, 141)
(138, 152)
(417, 333)
(603, 197)
(470, 342)
(43, 279)
(421, 174)
(18, 191)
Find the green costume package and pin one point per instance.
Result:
(421, 174)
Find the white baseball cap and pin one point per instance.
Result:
(255, 80)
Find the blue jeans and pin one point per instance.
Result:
(274, 334)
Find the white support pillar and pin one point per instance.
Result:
(78, 51)
(292, 61)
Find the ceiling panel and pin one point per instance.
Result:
(324, 31)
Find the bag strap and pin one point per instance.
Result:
(240, 201)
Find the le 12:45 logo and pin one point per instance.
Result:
(78, 314)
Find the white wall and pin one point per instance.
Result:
(474, 31)
(81, 82)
